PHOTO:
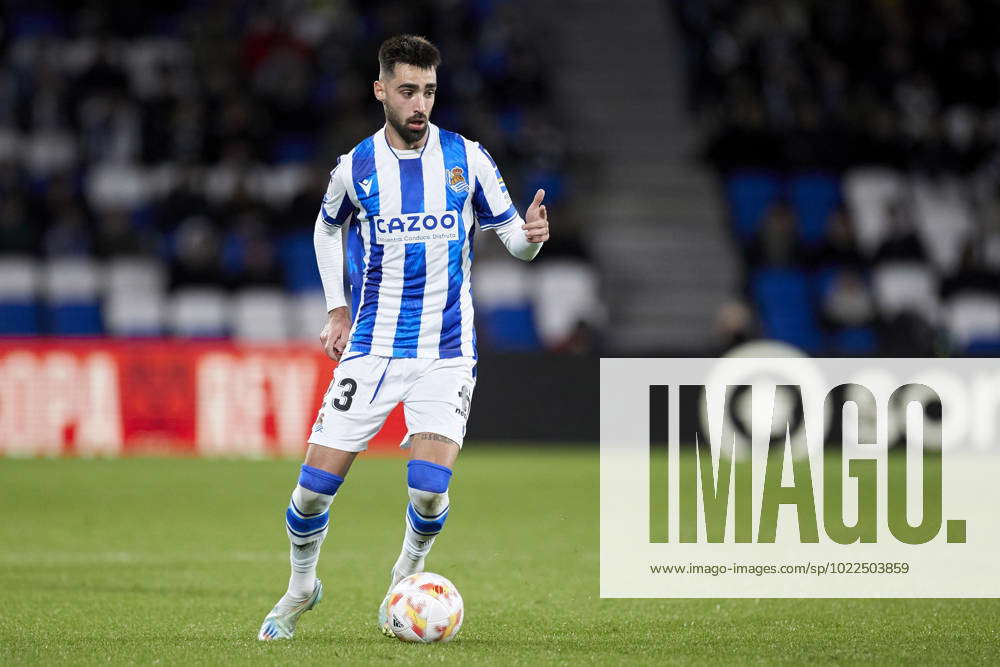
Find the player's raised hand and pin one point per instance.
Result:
(335, 333)
(536, 220)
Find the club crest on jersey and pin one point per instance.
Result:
(457, 180)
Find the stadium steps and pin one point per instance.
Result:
(654, 219)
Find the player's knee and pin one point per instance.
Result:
(308, 513)
(428, 487)
(316, 490)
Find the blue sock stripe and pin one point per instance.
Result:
(315, 532)
(427, 476)
(302, 514)
(425, 526)
(319, 481)
(305, 527)
(420, 532)
(425, 517)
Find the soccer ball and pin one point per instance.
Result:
(425, 607)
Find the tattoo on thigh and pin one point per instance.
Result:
(433, 436)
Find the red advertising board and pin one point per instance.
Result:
(109, 398)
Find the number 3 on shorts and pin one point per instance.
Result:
(343, 402)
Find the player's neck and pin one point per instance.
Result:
(397, 142)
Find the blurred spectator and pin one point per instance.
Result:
(901, 242)
(777, 243)
(848, 302)
(116, 235)
(734, 325)
(840, 246)
(17, 234)
(972, 275)
(196, 260)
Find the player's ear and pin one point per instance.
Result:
(379, 90)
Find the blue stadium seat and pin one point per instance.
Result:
(18, 318)
(298, 261)
(750, 194)
(822, 280)
(294, 147)
(786, 310)
(550, 180)
(986, 347)
(856, 341)
(510, 328)
(19, 282)
(814, 197)
(72, 287)
(75, 319)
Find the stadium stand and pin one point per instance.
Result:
(19, 296)
(156, 165)
(865, 126)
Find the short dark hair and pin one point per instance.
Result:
(409, 50)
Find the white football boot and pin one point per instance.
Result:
(280, 623)
(383, 610)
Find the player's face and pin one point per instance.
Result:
(408, 97)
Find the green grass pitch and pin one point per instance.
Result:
(176, 561)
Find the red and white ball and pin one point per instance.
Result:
(425, 607)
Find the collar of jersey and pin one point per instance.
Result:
(430, 128)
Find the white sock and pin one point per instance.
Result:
(429, 511)
(304, 558)
(307, 522)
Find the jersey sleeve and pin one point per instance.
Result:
(491, 200)
(337, 205)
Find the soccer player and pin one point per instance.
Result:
(413, 193)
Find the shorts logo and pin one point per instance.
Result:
(466, 397)
(318, 426)
(457, 180)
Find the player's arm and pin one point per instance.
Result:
(335, 211)
(523, 238)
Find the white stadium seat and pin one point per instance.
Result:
(565, 292)
(906, 286)
(134, 313)
(20, 278)
(135, 274)
(943, 220)
(307, 315)
(500, 282)
(973, 316)
(260, 315)
(72, 280)
(868, 191)
(199, 311)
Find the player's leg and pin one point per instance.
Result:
(307, 520)
(308, 515)
(436, 408)
(351, 414)
(428, 474)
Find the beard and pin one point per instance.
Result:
(408, 135)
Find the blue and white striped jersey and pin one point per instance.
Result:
(409, 244)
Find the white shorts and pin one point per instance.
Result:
(436, 395)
